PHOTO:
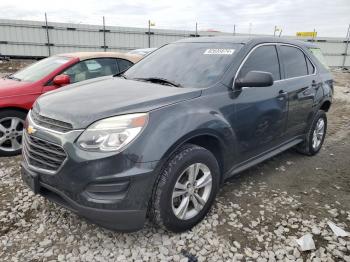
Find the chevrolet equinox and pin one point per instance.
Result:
(158, 140)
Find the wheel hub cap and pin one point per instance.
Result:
(191, 191)
(318, 133)
(11, 129)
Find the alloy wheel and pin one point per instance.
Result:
(11, 131)
(318, 133)
(191, 191)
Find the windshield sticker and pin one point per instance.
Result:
(219, 51)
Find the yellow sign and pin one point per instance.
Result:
(307, 34)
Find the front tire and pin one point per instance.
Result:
(315, 135)
(185, 189)
(11, 131)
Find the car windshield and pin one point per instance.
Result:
(143, 52)
(187, 64)
(40, 69)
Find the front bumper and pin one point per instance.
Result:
(122, 220)
(107, 188)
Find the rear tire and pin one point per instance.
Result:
(11, 130)
(315, 135)
(177, 186)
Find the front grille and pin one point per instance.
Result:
(42, 154)
(50, 123)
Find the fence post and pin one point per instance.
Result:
(149, 33)
(47, 35)
(314, 35)
(346, 45)
(104, 35)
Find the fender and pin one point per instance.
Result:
(15, 107)
(24, 102)
(178, 124)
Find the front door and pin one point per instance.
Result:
(87, 69)
(260, 112)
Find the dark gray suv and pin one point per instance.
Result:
(160, 139)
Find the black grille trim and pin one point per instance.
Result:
(42, 154)
(50, 123)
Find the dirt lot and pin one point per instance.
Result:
(258, 215)
(12, 66)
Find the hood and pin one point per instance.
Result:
(10, 87)
(84, 103)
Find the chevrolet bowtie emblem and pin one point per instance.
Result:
(31, 130)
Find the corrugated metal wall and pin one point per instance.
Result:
(29, 39)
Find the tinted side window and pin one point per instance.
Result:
(91, 68)
(294, 61)
(124, 64)
(310, 66)
(264, 58)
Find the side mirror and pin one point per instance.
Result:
(255, 79)
(61, 80)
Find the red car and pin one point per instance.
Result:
(19, 91)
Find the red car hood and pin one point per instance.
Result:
(9, 87)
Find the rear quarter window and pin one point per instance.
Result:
(310, 66)
(319, 56)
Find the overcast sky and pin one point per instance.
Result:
(329, 18)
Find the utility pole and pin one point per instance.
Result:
(346, 46)
(234, 29)
(274, 31)
(47, 36)
(104, 35)
(314, 35)
(196, 29)
(149, 33)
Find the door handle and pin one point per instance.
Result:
(282, 95)
(282, 92)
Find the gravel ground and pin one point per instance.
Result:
(13, 65)
(258, 214)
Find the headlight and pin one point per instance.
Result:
(114, 133)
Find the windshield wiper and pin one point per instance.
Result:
(159, 80)
(12, 77)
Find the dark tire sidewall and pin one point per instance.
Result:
(197, 155)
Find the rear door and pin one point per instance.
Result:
(260, 112)
(302, 84)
